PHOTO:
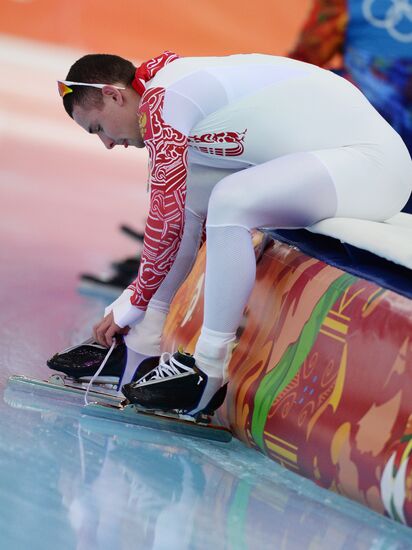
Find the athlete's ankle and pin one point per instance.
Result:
(134, 359)
(213, 352)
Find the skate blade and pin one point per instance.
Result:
(106, 382)
(63, 385)
(158, 420)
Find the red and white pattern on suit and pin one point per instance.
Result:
(167, 149)
(207, 143)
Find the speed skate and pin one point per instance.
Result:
(170, 421)
(107, 403)
(59, 384)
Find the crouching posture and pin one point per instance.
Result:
(236, 143)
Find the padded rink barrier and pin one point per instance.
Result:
(321, 380)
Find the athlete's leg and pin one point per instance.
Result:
(144, 338)
(293, 191)
(290, 192)
(369, 181)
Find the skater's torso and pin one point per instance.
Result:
(227, 114)
(243, 110)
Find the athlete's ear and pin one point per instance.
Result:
(113, 93)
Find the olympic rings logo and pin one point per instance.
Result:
(399, 11)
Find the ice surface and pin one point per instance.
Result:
(69, 481)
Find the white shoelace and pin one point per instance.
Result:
(99, 370)
(164, 369)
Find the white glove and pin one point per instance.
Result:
(124, 312)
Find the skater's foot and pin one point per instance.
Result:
(84, 360)
(176, 383)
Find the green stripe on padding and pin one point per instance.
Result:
(279, 377)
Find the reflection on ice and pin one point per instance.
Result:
(73, 481)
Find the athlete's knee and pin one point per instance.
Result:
(226, 206)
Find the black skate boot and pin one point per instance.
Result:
(176, 384)
(83, 360)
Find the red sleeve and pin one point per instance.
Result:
(168, 171)
(323, 33)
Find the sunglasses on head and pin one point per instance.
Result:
(64, 86)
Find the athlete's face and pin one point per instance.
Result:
(117, 122)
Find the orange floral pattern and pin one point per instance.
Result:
(320, 378)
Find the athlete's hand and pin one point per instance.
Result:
(104, 331)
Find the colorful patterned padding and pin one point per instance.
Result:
(321, 380)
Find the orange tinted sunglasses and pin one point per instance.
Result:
(64, 86)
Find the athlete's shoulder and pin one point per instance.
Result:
(186, 66)
(179, 69)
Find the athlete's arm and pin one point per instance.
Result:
(166, 118)
(164, 229)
